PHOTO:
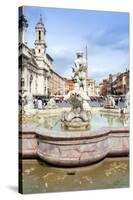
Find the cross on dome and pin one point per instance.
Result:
(40, 21)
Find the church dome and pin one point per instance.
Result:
(40, 23)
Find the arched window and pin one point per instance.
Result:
(39, 35)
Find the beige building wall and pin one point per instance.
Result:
(97, 91)
(91, 87)
(58, 85)
(121, 84)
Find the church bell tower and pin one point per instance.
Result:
(40, 44)
(23, 25)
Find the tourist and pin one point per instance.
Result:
(116, 101)
(39, 102)
(35, 102)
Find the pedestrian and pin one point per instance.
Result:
(39, 104)
(35, 102)
(116, 102)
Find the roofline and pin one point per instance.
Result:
(49, 57)
(57, 74)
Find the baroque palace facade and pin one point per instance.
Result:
(115, 84)
(36, 76)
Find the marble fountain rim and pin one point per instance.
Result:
(43, 143)
(60, 110)
(95, 133)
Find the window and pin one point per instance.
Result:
(38, 50)
(22, 82)
(39, 35)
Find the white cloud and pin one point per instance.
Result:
(107, 61)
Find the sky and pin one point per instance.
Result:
(106, 35)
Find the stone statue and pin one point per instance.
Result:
(22, 100)
(110, 102)
(77, 113)
(126, 108)
(127, 100)
(80, 71)
(51, 104)
(29, 107)
(78, 116)
(29, 99)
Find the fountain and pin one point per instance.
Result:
(79, 116)
(126, 109)
(29, 106)
(110, 103)
(22, 99)
(51, 104)
(76, 144)
(127, 102)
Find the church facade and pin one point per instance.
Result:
(34, 64)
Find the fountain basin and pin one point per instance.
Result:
(74, 148)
